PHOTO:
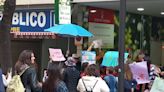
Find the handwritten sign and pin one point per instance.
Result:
(89, 56)
(140, 72)
(56, 54)
(111, 58)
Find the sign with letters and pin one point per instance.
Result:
(31, 20)
(64, 12)
(56, 54)
(89, 56)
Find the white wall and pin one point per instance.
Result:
(162, 57)
(30, 2)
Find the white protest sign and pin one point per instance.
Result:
(140, 72)
(56, 54)
(97, 43)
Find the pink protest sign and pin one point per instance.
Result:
(56, 54)
(140, 72)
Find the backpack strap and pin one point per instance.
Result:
(95, 84)
(91, 88)
(84, 86)
(23, 71)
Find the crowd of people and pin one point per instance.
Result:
(73, 76)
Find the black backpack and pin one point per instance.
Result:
(86, 90)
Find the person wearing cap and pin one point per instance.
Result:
(71, 74)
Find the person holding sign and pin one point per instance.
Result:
(97, 44)
(56, 55)
(54, 82)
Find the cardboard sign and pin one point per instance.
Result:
(97, 43)
(158, 85)
(89, 56)
(111, 58)
(56, 54)
(140, 72)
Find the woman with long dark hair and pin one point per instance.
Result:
(54, 81)
(26, 63)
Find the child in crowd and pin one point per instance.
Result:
(102, 71)
(110, 79)
(83, 68)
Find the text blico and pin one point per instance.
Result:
(32, 19)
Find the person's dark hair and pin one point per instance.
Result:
(129, 56)
(102, 70)
(110, 70)
(24, 58)
(54, 75)
(92, 70)
(84, 66)
(147, 58)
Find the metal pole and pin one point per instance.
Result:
(56, 11)
(121, 45)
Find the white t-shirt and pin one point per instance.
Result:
(6, 81)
